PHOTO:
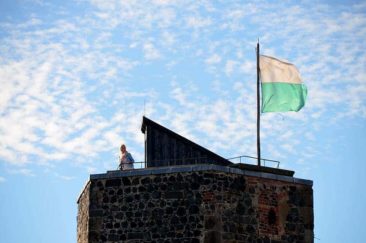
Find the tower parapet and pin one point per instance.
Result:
(210, 200)
(195, 203)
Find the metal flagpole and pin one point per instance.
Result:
(258, 110)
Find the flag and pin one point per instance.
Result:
(282, 88)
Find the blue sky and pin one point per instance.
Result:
(75, 76)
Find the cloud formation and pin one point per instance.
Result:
(73, 87)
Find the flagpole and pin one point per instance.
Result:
(258, 110)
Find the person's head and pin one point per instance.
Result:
(123, 148)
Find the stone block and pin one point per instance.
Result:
(198, 203)
(304, 182)
(113, 183)
(212, 237)
(173, 195)
(96, 213)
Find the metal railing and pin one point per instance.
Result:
(196, 160)
(253, 160)
(180, 161)
(168, 162)
(135, 165)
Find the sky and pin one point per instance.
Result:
(76, 77)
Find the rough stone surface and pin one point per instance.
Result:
(83, 215)
(204, 206)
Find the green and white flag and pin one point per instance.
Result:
(282, 88)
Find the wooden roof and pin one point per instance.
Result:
(163, 147)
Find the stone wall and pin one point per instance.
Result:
(83, 215)
(195, 206)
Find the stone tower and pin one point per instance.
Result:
(200, 202)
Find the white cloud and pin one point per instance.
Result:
(230, 66)
(213, 59)
(2, 179)
(74, 87)
(46, 112)
(198, 22)
(247, 67)
(150, 51)
(163, 2)
(65, 178)
(91, 170)
(168, 39)
(21, 171)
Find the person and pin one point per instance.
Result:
(125, 159)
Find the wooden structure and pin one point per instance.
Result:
(164, 147)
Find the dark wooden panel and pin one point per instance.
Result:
(164, 147)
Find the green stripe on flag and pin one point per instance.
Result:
(279, 97)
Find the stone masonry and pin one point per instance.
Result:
(196, 203)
